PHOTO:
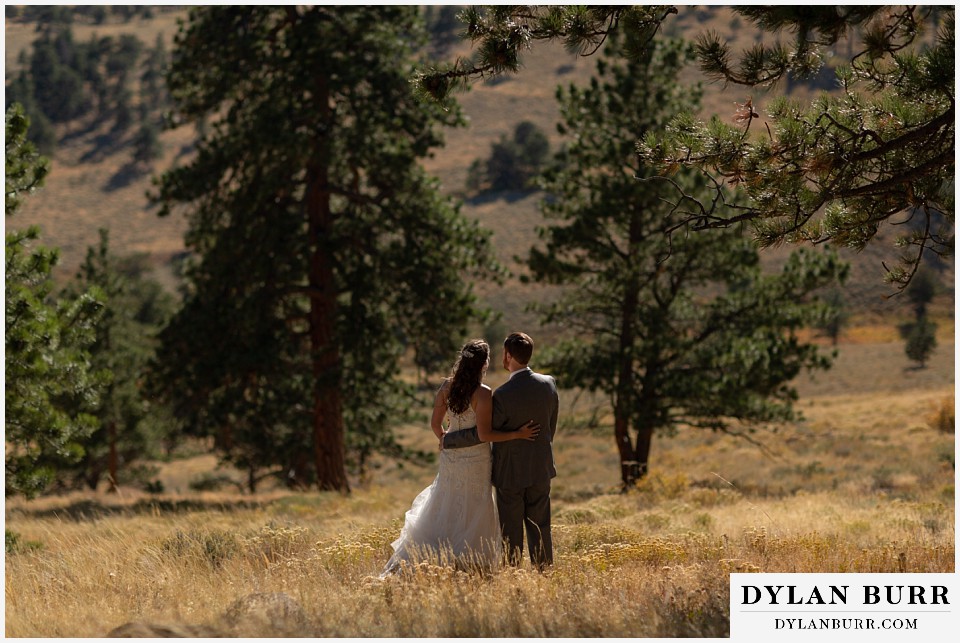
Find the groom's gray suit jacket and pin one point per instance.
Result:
(518, 464)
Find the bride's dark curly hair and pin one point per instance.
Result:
(467, 374)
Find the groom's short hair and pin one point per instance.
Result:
(520, 346)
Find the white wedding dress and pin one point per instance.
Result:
(453, 521)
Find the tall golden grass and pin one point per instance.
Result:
(862, 484)
(643, 565)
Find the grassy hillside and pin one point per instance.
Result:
(93, 186)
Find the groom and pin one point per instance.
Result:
(522, 469)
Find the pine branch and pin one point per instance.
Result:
(943, 159)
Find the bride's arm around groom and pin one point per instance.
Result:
(484, 431)
(526, 399)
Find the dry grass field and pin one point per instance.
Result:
(864, 483)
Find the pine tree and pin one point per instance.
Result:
(152, 89)
(25, 169)
(921, 334)
(48, 370)
(514, 162)
(146, 143)
(921, 340)
(96, 51)
(120, 61)
(678, 329)
(129, 429)
(880, 150)
(837, 316)
(921, 291)
(57, 87)
(320, 246)
(42, 133)
(123, 110)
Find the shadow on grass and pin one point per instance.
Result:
(489, 196)
(126, 176)
(101, 146)
(88, 510)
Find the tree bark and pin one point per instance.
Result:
(644, 439)
(629, 474)
(647, 419)
(628, 462)
(112, 457)
(328, 438)
(621, 411)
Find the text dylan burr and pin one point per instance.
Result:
(837, 595)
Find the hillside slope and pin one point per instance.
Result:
(93, 186)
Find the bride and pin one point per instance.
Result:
(454, 521)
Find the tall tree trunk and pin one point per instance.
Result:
(648, 411)
(112, 457)
(644, 439)
(328, 438)
(629, 472)
(623, 405)
(628, 462)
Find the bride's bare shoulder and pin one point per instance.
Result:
(482, 390)
(481, 394)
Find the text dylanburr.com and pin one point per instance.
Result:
(844, 607)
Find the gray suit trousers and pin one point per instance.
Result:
(526, 508)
